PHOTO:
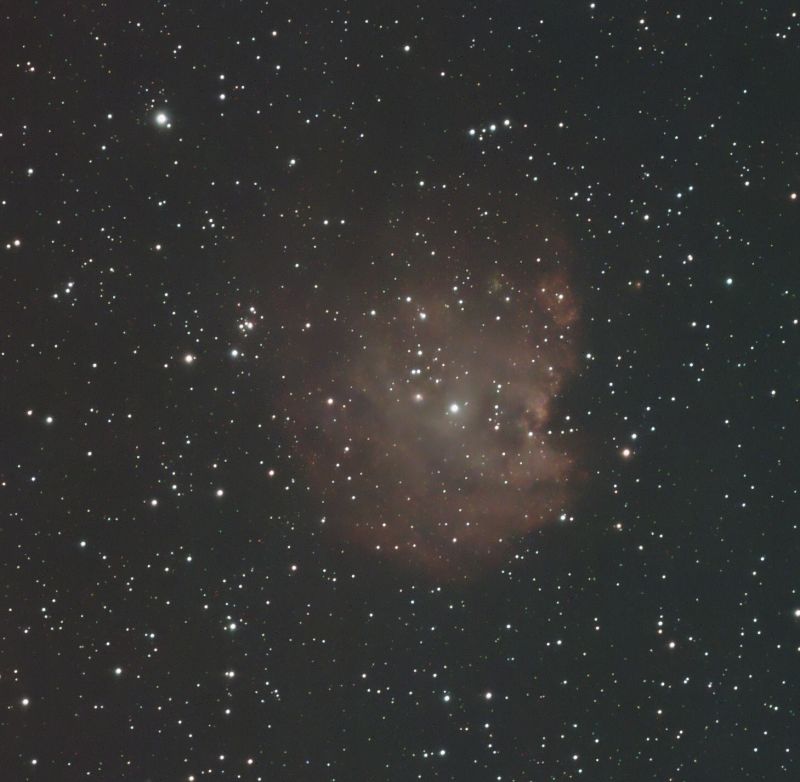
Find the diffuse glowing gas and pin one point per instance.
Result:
(423, 419)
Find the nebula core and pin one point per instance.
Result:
(423, 417)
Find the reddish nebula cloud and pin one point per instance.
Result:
(422, 417)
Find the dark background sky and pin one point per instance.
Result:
(647, 151)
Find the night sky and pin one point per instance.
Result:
(399, 391)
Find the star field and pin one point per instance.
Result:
(399, 392)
